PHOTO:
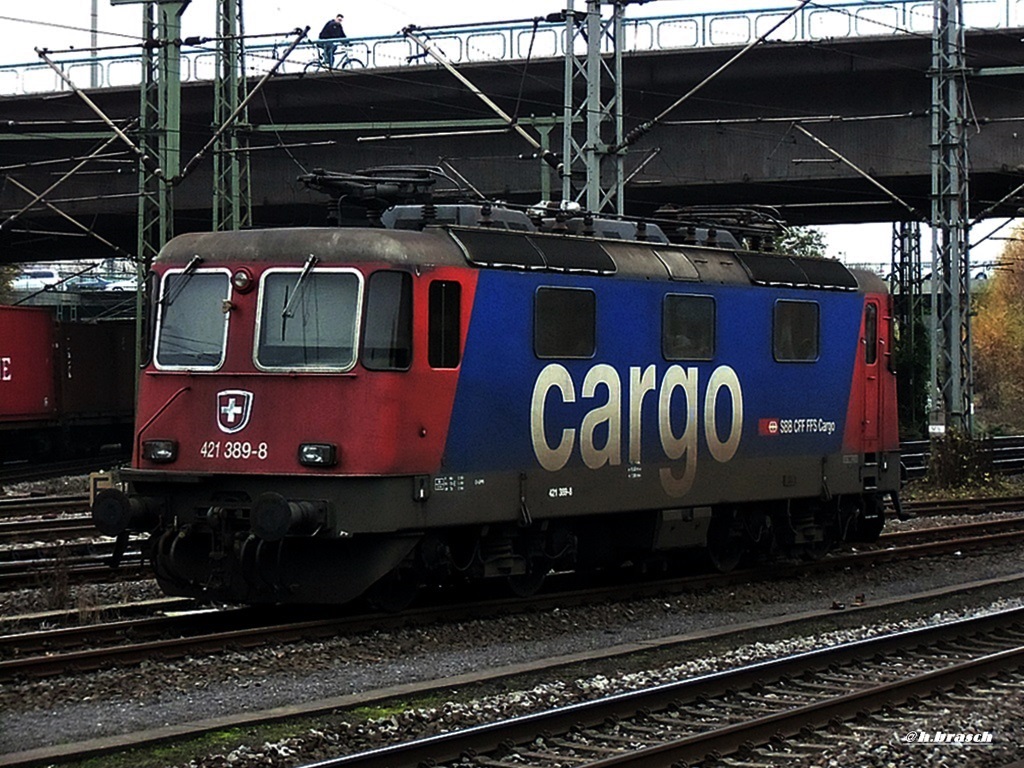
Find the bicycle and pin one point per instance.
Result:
(342, 58)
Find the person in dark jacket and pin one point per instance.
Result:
(332, 34)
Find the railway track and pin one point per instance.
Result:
(23, 472)
(736, 710)
(82, 557)
(37, 507)
(979, 506)
(46, 529)
(48, 537)
(54, 652)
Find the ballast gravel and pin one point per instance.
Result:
(83, 706)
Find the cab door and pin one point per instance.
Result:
(872, 417)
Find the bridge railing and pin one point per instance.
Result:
(853, 18)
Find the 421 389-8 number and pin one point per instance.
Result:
(232, 450)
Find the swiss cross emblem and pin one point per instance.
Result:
(234, 407)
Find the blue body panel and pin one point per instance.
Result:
(490, 427)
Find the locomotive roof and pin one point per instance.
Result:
(499, 248)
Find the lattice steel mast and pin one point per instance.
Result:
(159, 125)
(232, 194)
(952, 375)
(592, 129)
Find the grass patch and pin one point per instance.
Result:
(181, 752)
(223, 742)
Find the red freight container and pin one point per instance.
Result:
(96, 371)
(27, 338)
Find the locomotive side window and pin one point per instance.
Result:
(870, 334)
(445, 323)
(795, 331)
(192, 326)
(308, 319)
(688, 327)
(387, 336)
(564, 323)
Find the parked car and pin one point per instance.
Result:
(37, 280)
(130, 284)
(86, 283)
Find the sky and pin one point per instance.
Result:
(59, 24)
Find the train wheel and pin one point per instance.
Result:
(725, 549)
(816, 550)
(393, 593)
(527, 584)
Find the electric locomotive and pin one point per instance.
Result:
(470, 391)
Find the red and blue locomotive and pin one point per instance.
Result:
(472, 392)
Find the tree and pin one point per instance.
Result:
(807, 242)
(998, 335)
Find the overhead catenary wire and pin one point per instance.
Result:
(87, 230)
(546, 155)
(433, 134)
(861, 172)
(57, 183)
(644, 128)
(800, 119)
(300, 35)
(750, 119)
(148, 161)
(114, 157)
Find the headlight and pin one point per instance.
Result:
(318, 454)
(160, 451)
(242, 280)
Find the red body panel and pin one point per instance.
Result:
(27, 386)
(872, 420)
(382, 422)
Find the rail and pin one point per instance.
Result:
(683, 722)
(543, 39)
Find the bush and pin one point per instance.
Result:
(959, 461)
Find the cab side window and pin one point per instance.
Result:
(564, 323)
(387, 337)
(795, 331)
(871, 334)
(688, 327)
(444, 342)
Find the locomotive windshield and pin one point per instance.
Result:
(309, 322)
(192, 322)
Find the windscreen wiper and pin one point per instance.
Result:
(185, 275)
(310, 263)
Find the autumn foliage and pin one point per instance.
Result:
(998, 332)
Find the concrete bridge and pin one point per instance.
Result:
(865, 100)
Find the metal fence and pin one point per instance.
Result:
(821, 21)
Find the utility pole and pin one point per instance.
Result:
(905, 283)
(94, 41)
(598, 155)
(232, 194)
(159, 124)
(951, 368)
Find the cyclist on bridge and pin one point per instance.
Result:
(331, 36)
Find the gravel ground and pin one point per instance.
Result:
(84, 706)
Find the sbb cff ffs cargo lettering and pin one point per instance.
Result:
(329, 413)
